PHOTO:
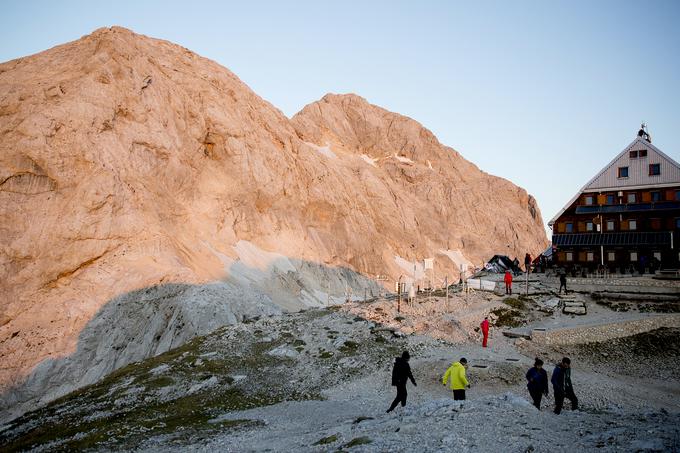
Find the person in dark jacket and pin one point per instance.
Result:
(561, 381)
(563, 282)
(401, 373)
(537, 382)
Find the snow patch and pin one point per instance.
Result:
(325, 150)
(369, 160)
(403, 159)
(457, 257)
(408, 267)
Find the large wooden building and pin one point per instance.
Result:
(627, 217)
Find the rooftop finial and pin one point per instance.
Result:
(643, 132)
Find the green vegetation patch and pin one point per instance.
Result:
(325, 355)
(349, 347)
(507, 317)
(363, 440)
(327, 440)
(514, 303)
(159, 382)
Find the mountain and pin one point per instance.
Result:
(135, 174)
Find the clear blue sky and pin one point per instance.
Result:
(542, 93)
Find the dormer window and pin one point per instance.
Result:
(654, 169)
(623, 172)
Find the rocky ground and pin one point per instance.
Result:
(319, 381)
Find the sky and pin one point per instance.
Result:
(543, 93)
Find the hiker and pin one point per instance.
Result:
(485, 330)
(561, 381)
(563, 282)
(508, 282)
(455, 374)
(527, 262)
(537, 382)
(401, 373)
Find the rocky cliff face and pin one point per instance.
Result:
(128, 162)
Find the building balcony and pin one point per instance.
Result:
(628, 207)
(630, 238)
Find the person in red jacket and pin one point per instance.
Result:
(508, 282)
(485, 330)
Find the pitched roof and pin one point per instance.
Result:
(607, 178)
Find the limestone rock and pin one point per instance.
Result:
(128, 162)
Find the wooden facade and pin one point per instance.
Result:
(627, 217)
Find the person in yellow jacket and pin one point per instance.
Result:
(456, 376)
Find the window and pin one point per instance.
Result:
(589, 226)
(677, 195)
(610, 225)
(656, 196)
(655, 224)
(611, 256)
(631, 197)
(654, 169)
(623, 172)
(633, 256)
(642, 153)
(610, 199)
(633, 155)
(590, 256)
(569, 227)
(632, 225)
(589, 199)
(569, 256)
(677, 223)
(657, 255)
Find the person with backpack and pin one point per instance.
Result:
(401, 373)
(485, 331)
(527, 262)
(508, 282)
(457, 378)
(563, 282)
(562, 387)
(537, 382)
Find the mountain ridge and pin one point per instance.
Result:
(128, 162)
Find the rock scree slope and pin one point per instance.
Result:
(128, 162)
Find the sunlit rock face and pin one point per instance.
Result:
(128, 162)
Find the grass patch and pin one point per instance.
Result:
(349, 347)
(507, 317)
(159, 382)
(363, 440)
(514, 303)
(327, 440)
